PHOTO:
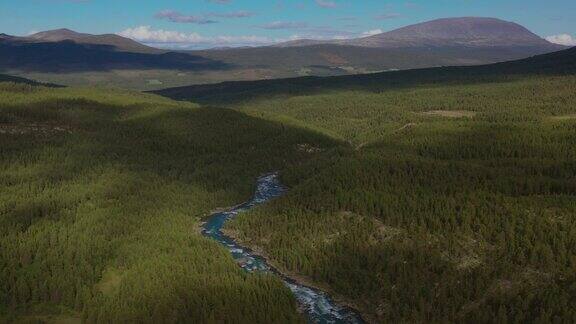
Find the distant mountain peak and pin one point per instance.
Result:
(57, 35)
(458, 31)
(61, 30)
(64, 34)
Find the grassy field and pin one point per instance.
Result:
(449, 203)
(101, 199)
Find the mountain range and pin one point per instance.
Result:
(66, 57)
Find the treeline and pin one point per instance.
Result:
(429, 216)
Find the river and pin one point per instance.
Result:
(317, 305)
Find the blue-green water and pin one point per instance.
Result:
(316, 304)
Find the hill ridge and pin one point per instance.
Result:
(556, 63)
(454, 31)
(65, 34)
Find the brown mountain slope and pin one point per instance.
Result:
(468, 31)
(447, 32)
(118, 42)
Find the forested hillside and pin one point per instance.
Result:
(101, 196)
(13, 79)
(557, 63)
(449, 199)
(450, 203)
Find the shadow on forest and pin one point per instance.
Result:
(68, 57)
(218, 151)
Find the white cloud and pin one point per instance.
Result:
(372, 32)
(562, 39)
(147, 35)
(167, 38)
(326, 3)
(235, 14)
(174, 39)
(284, 25)
(177, 17)
(388, 16)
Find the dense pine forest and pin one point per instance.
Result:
(449, 203)
(101, 196)
(429, 202)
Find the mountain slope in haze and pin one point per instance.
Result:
(465, 31)
(469, 31)
(118, 42)
(441, 42)
(346, 59)
(557, 63)
(65, 51)
(58, 35)
(5, 36)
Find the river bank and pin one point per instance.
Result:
(300, 279)
(313, 300)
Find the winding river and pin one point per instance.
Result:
(317, 305)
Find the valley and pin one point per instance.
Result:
(422, 174)
(447, 196)
(314, 303)
(100, 222)
(425, 191)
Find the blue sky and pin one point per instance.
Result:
(210, 23)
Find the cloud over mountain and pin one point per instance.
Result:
(167, 38)
(562, 39)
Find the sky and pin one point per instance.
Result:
(224, 23)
